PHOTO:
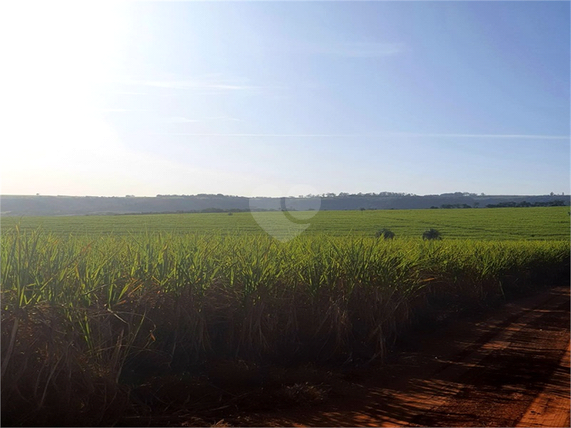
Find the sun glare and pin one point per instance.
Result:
(59, 58)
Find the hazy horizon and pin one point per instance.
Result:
(291, 195)
(286, 98)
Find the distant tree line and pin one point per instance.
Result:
(200, 195)
(206, 210)
(448, 206)
(18, 205)
(525, 204)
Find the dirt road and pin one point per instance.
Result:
(509, 368)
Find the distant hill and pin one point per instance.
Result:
(21, 205)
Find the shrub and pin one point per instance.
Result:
(385, 233)
(431, 234)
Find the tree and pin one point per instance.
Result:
(431, 235)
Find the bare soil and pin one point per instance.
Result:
(506, 368)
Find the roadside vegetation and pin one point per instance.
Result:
(101, 325)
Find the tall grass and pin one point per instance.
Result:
(83, 316)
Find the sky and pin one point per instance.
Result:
(266, 98)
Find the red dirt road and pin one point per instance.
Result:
(510, 368)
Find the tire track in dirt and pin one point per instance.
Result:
(516, 365)
(551, 407)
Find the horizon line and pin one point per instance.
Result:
(470, 194)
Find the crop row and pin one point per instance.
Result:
(488, 224)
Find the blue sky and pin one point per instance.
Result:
(252, 98)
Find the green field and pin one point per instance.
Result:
(492, 224)
(95, 307)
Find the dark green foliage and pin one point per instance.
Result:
(448, 206)
(431, 234)
(385, 233)
(525, 204)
